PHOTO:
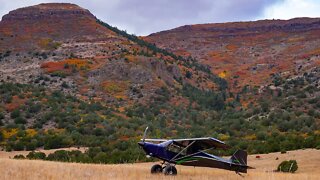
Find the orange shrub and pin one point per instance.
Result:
(16, 103)
(64, 65)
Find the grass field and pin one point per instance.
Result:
(308, 162)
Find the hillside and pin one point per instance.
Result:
(308, 161)
(65, 44)
(248, 53)
(72, 80)
(69, 79)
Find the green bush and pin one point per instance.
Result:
(60, 155)
(20, 156)
(36, 155)
(1, 116)
(101, 157)
(15, 114)
(288, 166)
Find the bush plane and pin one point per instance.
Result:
(191, 152)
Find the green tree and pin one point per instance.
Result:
(15, 113)
(101, 157)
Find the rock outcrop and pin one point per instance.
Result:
(31, 27)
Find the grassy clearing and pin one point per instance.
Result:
(308, 161)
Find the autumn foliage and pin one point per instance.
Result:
(65, 65)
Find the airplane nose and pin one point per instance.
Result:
(141, 144)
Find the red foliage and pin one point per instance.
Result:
(15, 104)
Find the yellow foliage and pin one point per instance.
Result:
(222, 74)
(131, 58)
(116, 88)
(317, 132)
(49, 44)
(250, 137)
(223, 137)
(44, 42)
(7, 133)
(121, 109)
(113, 88)
(31, 132)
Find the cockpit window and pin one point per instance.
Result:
(176, 149)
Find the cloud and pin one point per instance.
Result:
(143, 17)
(287, 9)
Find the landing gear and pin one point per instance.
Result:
(170, 170)
(167, 169)
(156, 169)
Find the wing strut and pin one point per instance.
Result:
(182, 151)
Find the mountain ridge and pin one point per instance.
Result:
(236, 24)
(247, 49)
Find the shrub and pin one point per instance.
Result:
(20, 156)
(34, 108)
(101, 157)
(64, 85)
(288, 166)
(188, 74)
(31, 146)
(60, 155)
(36, 155)
(14, 114)
(20, 120)
(1, 116)
(19, 146)
(283, 152)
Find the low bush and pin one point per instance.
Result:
(20, 156)
(36, 155)
(288, 166)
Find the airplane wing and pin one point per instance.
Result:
(155, 140)
(201, 143)
(207, 160)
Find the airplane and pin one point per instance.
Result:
(191, 152)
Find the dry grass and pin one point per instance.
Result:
(308, 161)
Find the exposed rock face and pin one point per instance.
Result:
(47, 11)
(34, 26)
(248, 53)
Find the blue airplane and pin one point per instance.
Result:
(191, 152)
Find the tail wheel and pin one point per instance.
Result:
(170, 170)
(156, 169)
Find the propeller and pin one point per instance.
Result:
(145, 134)
(144, 137)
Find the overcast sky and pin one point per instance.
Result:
(142, 17)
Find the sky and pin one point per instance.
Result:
(142, 17)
